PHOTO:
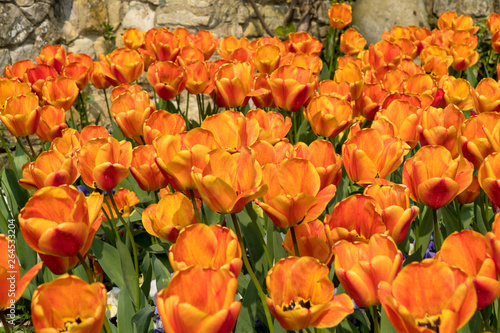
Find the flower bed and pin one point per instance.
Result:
(342, 188)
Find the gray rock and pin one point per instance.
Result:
(14, 26)
(25, 3)
(373, 17)
(140, 16)
(4, 59)
(27, 51)
(114, 12)
(474, 8)
(172, 17)
(47, 33)
(37, 12)
(83, 45)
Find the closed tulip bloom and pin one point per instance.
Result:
(145, 170)
(165, 44)
(441, 127)
(328, 116)
(295, 195)
(130, 111)
(469, 251)
(125, 201)
(370, 101)
(77, 71)
(302, 42)
(352, 42)
(361, 266)
(441, 298)
(369, 155)
(273, 126)
(205, 41)
(82, 309)
(267, 58)
(189, 55)
(167, 79)
(54, 56)
(60, 92)
(340, 15)
(12, 285)
(97, 75)
(232, 83)
(302, 295)
(493, 239)
(16, 71)
(133, 38)
(313, 240)
(229, 181)
(59, 232)
(229, 44)
(489, 177)
(486, 96)
(104, 162)
(434, 177)
(52, 123)
(169, 216)
(124, 88)
(162, 122)
(37, 76)
(261, 91)
(205, 307)
(480, 136)
(198, 79)
(9, 88)
(292, 87)
(463, 57)
(332, 88)
(21, 115)
(126, 65)
(51, 168)
(456, 91)
(471, 193)
(218, 248)
(351, 73)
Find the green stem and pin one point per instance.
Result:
(73, 119)
(107, 106)
(82, 110)
(486, 321)
(90, 276)
(200, 115)
(31, 147)
(437, 234)
(9, 153)
(107, 328)
(252, 274)
(111, 219)
(261, 237)
(187, 106)
(195, 207)
(24, 149)
(134, 247)
(5, 323)
(157, 196)
(294, 240)
(374, 311)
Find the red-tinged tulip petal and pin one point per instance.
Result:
(107, 175)
(438, 192)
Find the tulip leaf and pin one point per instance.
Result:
(248, 312)
(116, 131)
(142, 320)
(304, 133)
(472, 75)
(424, 230)
(451, 218)
(12, 187)
(474, 324)
(385, 324)
(126, 311)
(162, 273)
(106, 255)
(128, 272)
(147, 274)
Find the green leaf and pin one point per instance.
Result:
(162, 273)
(248, 312)
(385, 324)
(142, 320)
(106, 255)
(424, 231)
(147, 273)
(128, 272)
(10, 185)
(116, 131)
(280, 31)
(474, 324)
(126, 311)
(472, 75)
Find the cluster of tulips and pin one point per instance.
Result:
(375, 183)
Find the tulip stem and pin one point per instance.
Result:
(86, 267)
(294, 239)
(107, 106)
(486, 321)
(107, 328)
(31, 146)
(134, 246)
(257, 229)
(437, 234)
(157, 196)
(195, 206)
(252, 274)
(375, 318)
(5, 323)
(24, 149)
(111, 219)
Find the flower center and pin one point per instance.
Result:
(431, 322)
(300, 304)
(70, 325)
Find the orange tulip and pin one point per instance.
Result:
(36, 77)
(441, 298)
(368, 155)
(21, 115)
(463, 57)
(328, 116)
(356, 218)
(12, 285)
(52, 123)
(169, 216)
(228, 182)
(489, 177)
(351, 42)
(189, 55)
(422, 86)
(493, 23)
(79, 72)
(162, 122)
(198, 79)
(261, 91)
(17, 70)
(370, 101)
(351, 73)
(125, 201)
(468, 250)
(9, 88)
(384, 54)
(60, 92)
(471, 193)
(273, 127)
(178, 154)
(51, 168)
(394, 202)
(456, 91)
(126, 65)
(54, 56)
(332, 88)
(229, 44)
(133, 38)
(302, 295)
(291, 87)
(130, 111)
(267, 58)
(145, 170)
(360, 267)
(313, 240)
(82, 309)
(493, 239)
(219, 248)
(58, 232)
(232, 82)
(104, 162)
(302, 42)
(434, 177)
(205, 41)
(340, 15)
(98, 75)
(322, 155)
(480, 136)
(486, 96)
(167, 78)
(441, 127)
(207, 306)
(294, 195)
